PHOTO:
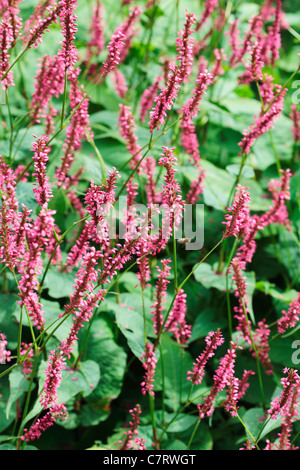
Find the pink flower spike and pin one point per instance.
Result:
(4, 353)
(56, 363)
(42, 190)
(149, 364)
(131, 435)
(237, 218)
(282, 402)
(176, 322)
(184, 47)
(68, 53)
(290, 318)
(213, 340)
(45, 422)
(96, 43)
(165, 99)
(148, 97)
(222, 378)
(160, 294)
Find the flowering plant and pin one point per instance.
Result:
(149, 225)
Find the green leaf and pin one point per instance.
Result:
(207, 321)
(111, 359)
(182, 422)
(253, 420)
(25, 195)
(59, 284)
(5, 418)
(176, 363)
(208, 277)
(18, 386)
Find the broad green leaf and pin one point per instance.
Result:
(19, 385)
(176, 362)
(111, 359)
(208, 320)
(59, 284)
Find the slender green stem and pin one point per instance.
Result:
(175, 261)
(64, 100)
(193, 434)
(227, 286)
(163, 381)
(99, 156)
(256, 356)
(247, 430)
(20, 336)
(27, 402)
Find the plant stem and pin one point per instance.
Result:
(193, 434)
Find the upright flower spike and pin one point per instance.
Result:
(287, 421)
(127, 30)
(42, 189)
(114, 55)
(213, 340)
(176, 322)
(38, 236)
(6, 39)
(235, 391)
(149, 166)
(261, 340)
(56, 364)
(49, 82)
(171, 193)
(165, 100)
(76, 130)
(209, 6)
(14, 224)
(290, 318)
(160, 295)
(38, 13)
(273, 38)
(262, 124)
(221, 379)
(253, 72)
(185, 46)
(149, 364)
(82, 315)
(282, 402)
(220, 56)
(280, 191)
(127, 128)
(254, 31)
(241, 310)
(68, 52)
(99, 200)
(96, 43)
(34, 36)
(189, 139)
(4, 353)
(43, 423)
(191, 108)
(132, 433)
(237, 218)
(148, 97)
(86, 278)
